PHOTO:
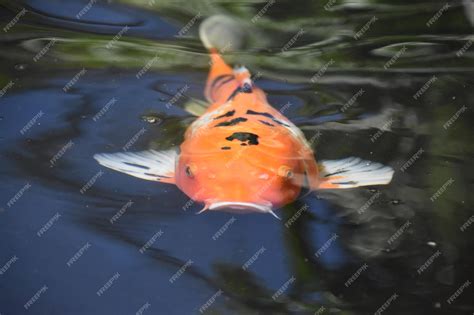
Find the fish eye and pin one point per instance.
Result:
(189, 171)
(286, 172)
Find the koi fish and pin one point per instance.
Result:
(242, 154)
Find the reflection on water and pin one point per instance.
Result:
(390, 82)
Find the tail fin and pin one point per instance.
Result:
(352, 172)
(222, 33)
(219, 34)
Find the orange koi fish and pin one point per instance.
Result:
(242, 153)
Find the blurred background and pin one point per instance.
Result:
(388, 81)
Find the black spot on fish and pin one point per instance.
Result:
(228, 114)
(251, 112)
(247, 88)
(232, 122)
(221, 80)
(244, 137)
(280, 122)
(225, 148)
(156, 175)
(346, 183)
(236, 91)
(335, 173)
(137, 165)
(266, 123)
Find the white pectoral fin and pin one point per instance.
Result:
(150, 165)
(352, 172)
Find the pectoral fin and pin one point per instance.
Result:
(352, 172)
(150, 165)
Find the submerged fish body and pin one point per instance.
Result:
(242, 153)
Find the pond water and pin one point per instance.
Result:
(388, 81)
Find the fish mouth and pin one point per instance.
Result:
(242, 207)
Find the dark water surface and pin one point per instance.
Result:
(389, 81)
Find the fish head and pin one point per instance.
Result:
(258, 179)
